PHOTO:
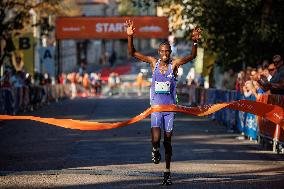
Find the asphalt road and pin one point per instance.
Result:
(205, 155)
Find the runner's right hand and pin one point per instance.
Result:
(130, 29)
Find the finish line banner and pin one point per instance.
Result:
(268, 111)
(110, 27)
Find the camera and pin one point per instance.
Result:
(263, 82)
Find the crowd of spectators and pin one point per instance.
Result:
(266, 78)
(82, 83)
(114, 82)
(21, 91)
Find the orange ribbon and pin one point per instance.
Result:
(271, 112)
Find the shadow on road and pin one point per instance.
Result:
(202, 180)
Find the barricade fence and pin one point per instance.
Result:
(21, 99)
(251, 126)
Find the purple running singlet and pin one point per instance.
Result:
(162, 92)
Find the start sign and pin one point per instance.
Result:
(110, 27)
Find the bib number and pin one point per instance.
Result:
(162, 87)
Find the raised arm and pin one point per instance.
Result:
(131, 50)
(195, 37)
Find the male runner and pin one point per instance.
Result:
(162, 91)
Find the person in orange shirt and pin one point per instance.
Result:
(86, 83)
(139, 83)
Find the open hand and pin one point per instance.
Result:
(196, 34)
(130, 29)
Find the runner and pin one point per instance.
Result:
(162, 91)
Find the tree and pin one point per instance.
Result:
(126, 8)
(15, 16)
(239, 31)
(136, 7)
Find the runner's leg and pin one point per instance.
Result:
(156, 136)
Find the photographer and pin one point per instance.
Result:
(276, 83)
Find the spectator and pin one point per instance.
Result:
(276, 83)
(246, 89)
(98, 85)
(8, 98)
(268, 73)
(255, 89)
(240, 82)
(117, 81)
(111, 83)
(62, 78)
(18, 83)
(93, 80)
(251, 127)
(139, 83)
(200, 81)
(265, 72)
(192, 87)
(82, 69)
(259, 69)
(112, 58)
(5, 80)
(254, 75)
(247, 73)
(86, 84)
(29, 95)
(17, 61)
(229, 83)
(73, 88)
(271, 70)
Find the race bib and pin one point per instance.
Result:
(162, 87)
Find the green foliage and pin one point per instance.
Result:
(127, 8)
(9, 23)
(15, 15)
(136, 7)
(240, 31)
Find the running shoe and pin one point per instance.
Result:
(167, 180)
(156, 156)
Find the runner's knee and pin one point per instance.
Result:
(168, 147)
(156, 141)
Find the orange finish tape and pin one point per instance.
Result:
(271, 112)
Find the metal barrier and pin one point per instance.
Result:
(252, 126)
(21, 99)
(268, 130)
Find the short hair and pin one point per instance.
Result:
(276, 58)
(165, 43)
